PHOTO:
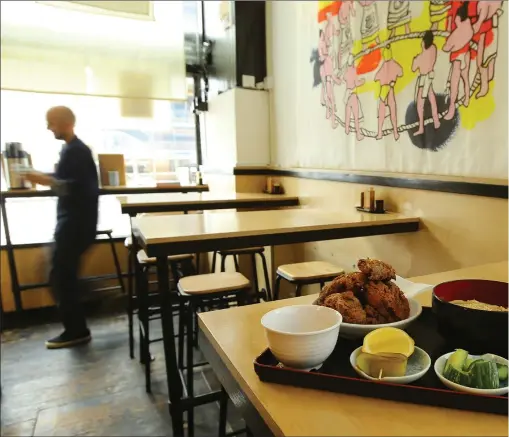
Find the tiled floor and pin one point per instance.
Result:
(90, 390)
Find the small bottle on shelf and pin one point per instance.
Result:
(372, 199)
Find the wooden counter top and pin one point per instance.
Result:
(137, 203)
(237, 337)
(45, 192)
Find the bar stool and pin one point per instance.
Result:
(131, 297)
(149, 309)
(199, 291)
(252, 252)
(108, 233)
(313, 272)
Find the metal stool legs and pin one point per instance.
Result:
(254, 268)
(266, 276)
(117, 263)
(277, 285)
(130, 301)
(223, 410)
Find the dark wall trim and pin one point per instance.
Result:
(469, 188)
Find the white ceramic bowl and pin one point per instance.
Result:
(302, 336)
(439, 370)
(351, 330)
(417, 366)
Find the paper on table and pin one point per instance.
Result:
(411, 289)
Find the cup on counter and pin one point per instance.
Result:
(113, 178)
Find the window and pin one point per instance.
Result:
(153, 147)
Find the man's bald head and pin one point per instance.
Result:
(61, 122)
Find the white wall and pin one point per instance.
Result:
(302, 136)
(252, 127)
(219, 144)
(236, 129)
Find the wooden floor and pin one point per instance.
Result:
(90, 390)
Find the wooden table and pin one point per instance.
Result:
(161, 236)
(230, 342)
(173, 235)
(146, 203)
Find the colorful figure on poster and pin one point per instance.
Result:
(486, 24)
(346, 12)
(353, 105)
(327, 77)
(424, 63)
(458, 45)
(330, 31)
(370, 27)
(398, 16)
(438, 12)
(387, 75)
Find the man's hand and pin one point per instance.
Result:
(40, 178)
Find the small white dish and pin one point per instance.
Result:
(417, 366)
(439, 370)
(302, 336)
(351, 330)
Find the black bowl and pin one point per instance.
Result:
(477, 331)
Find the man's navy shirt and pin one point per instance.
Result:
(78, 198)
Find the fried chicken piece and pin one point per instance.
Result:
(335, 286)
(376, 270)
(349, 307)
(346, 282)
(387, 300)
(373, 317)
(352, 281)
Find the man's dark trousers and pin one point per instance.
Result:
(71, 242)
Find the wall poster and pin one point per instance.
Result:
(421, 85)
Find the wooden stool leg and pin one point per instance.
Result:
(255, 279)
(223, 263)
(189, 364)
(276, 287)
(322, 284)
(236, 262)
(298, 290)
(266, 276)
(223, 410)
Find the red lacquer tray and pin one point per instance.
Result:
(337, 375)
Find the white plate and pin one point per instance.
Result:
(439, 370)
(351, 330)
(417, 366)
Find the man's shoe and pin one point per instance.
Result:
(67, 339)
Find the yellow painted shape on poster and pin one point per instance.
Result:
(323, 4)
(478, 109)
(403, 52)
